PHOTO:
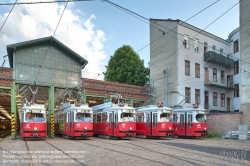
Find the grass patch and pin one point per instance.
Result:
(213, 135)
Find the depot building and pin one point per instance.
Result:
(48, 72)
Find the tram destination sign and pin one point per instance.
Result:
(102, 106)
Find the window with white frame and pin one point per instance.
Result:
(197, 96)
(222, 99)
(214, 47)
(187, 67)
(196, 45)
(205, 47)
(214, 98)
(214, 74)
(236, 46)
(186, 41)
(197, 70)
(222, 77)
(188, 94)
(236, 90)
(236, 67)
(221, 51)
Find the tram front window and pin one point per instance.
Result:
(35, 117)
(200, 118)
(83, 117)
(165, 117)
(128, 117)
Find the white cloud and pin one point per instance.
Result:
(76, 30)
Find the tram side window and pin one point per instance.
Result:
(181, 120)
(147, 118)
(190, 120)
(60, 118)
(155, 117)
(116, 117)
(65, 117)
(200, 118)
(99, 117)
(110, 117)
(140, 117)
(175, 117)
(95, 117)
(104, 117)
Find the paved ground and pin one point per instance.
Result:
(126, 152)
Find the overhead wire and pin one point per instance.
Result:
(32, 3)
(50, 43)
(198, 34)
(8, 15)
(171, 30)
(174, 27)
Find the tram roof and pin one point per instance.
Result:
(113, 107)
(152, 108)
(41, 41)
(33, 106)
(188, 109)
(73, 106)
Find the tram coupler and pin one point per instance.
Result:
(85, 135)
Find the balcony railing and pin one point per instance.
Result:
(223, 83)
(219, 59)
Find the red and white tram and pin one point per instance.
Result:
(74, 121)
(154, 121)
(112, 120)
(33, 121)
(190, 122)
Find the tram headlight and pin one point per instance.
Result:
(205, 128)
(130, 128)
(85, 128)
(35, 128)
(169, 128)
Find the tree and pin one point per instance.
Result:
(126, 67)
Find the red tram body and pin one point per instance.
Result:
(33, 122)
(190, 122)
(154, 121)
(74, 121)
(112, 120)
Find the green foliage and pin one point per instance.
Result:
(126, 67)
(213, 135)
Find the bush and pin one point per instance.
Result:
(213, 135)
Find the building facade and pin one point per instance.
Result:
(245, 60)
(191, 66)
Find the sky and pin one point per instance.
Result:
(96, 29)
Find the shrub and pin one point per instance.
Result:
(213, 135)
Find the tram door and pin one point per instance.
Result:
(148, 123)
(68, 128)
(71, 122)
(189, 124)
(154, 124)
(181, 127)
(113, 124)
